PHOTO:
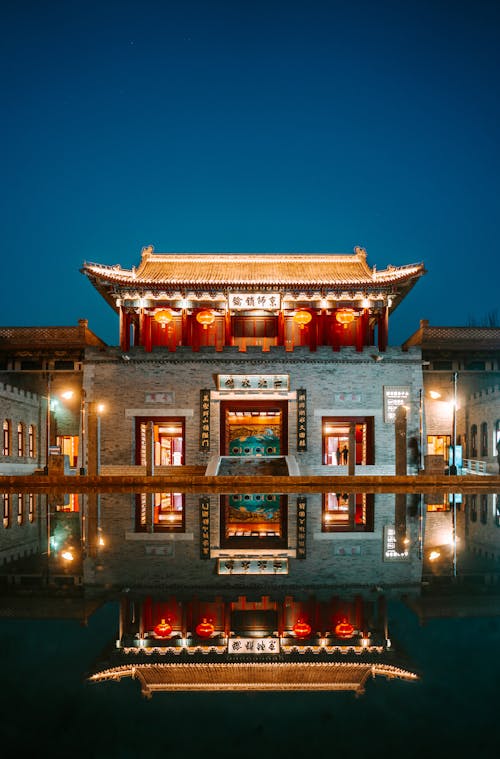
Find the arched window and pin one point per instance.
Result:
(473, 441)
(6, 437)
(20, 439)
(484, 439)
(32, 441)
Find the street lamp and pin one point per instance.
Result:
(453, 466)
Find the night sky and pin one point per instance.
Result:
(263, 126)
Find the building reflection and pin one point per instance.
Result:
(251, 591)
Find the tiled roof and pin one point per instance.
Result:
(476, 338)
(49, 337)
(253, 676)
(252, 270)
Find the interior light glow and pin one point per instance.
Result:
(434, 555)
(67, 555)
(434, 394)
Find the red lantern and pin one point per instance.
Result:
(344, 629)
(205, 317)
(302, 629)
(162, 629)
(205, 629)
(302, 318)
(163, 317)
(345, 316)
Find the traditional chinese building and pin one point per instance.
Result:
(243, 300)
(170, 644)
(253, 364)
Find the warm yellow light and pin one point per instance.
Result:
(345, 316)
(302, 318)
(434, 555)
(67, 555)
(100, 408)
(434, 394)
(67, 394)
(101, 541)
(163, 317)
(205, 317)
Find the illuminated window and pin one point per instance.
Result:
(336, 440)
(6, 509)
(160, 512)
(20, 439)
(439, 505)
(31, 441)
(31, 507)
(484, 439)
(344, 512)
(438, 445)
(20, 508)
(6, 437)
(168, 441)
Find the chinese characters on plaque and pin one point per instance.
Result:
(394, 397)
(390, 553)
(204, 528)
(263, 566)
(252, 382)
(301, 420)
(204, 420)
(253, 646)
(164, 397)
(301, 527)
(263, 301)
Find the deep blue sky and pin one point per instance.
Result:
(249, 126)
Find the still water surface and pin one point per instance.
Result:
(442, 615)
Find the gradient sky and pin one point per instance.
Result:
(266, 126)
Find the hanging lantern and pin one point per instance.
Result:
(163, 317)
(344, 629)
(205, 629)
(302, 318)
(162, 629)
(302, 629)
(345, 316)
(205, 317)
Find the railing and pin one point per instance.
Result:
(474, 465)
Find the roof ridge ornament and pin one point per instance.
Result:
(147, 251)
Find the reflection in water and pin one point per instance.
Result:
(252, 591)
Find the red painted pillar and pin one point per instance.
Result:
(281, 328)
(227, 329)
(124, 330)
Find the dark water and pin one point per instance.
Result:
(48, 707)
